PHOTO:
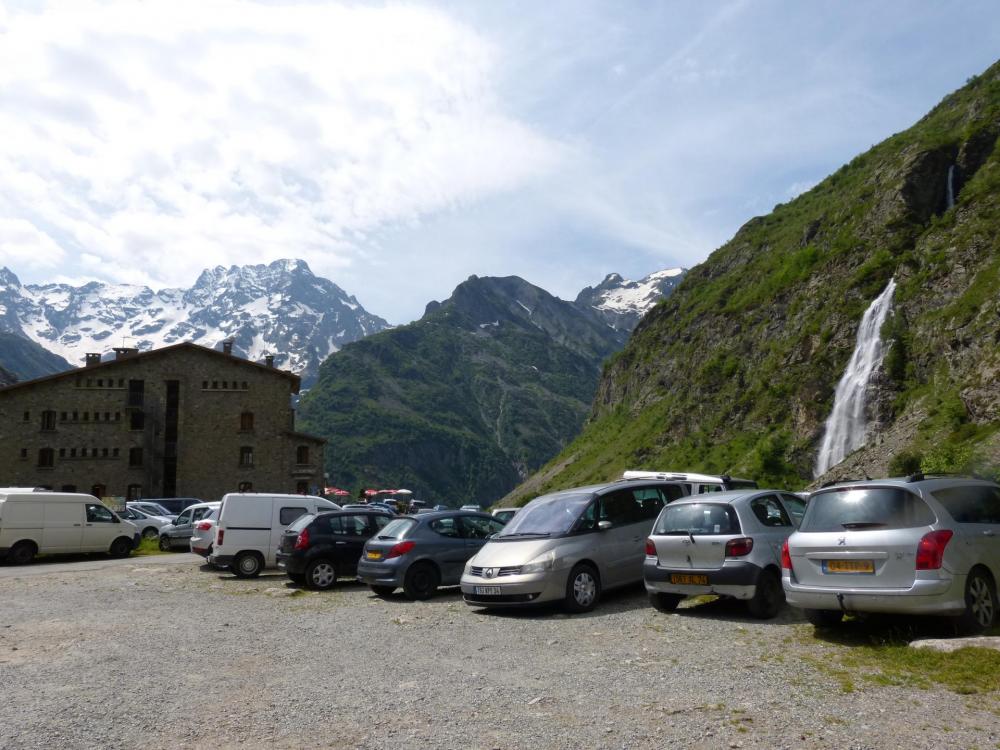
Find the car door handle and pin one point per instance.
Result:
(340, 542)
(76, 524)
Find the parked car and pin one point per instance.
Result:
(149, 526)
(917, 546)
(203, 532)
(178, 533)
(317, 550)
(504, 514)
(420, 553)
(471, 506)
(727, 544)
(33, 523)
(151, 509)
(250, 526)
(696, 484)
(175, 504)
(568, 546)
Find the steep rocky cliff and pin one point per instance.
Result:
(736, 370)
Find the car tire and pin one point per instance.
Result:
(165, 545)
(583, 588)
(768, 596)
(421, 581)
(150, 532)
(321, 575)
(980, 604)
(382, 591)
(120, 547)
(665, 602)
(22, 553)
(824, 618)
(247, 565)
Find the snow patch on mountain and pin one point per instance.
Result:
(622, 302)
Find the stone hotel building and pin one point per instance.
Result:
(181, 421)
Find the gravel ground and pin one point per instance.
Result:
(181, 656)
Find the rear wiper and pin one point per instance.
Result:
(525, 533)
(678, 532)
(380, 536)
(864, 525)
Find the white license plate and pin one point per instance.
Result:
(488, 590)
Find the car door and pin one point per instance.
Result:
(476, 530)
(100, 528)
(617, 541)
(284, 515)
(449, 552)
(62, 527)
(183, 527)
(349, 541)
(976, 512)
(775, 524)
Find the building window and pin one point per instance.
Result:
(86, 416)
(246, 421)
(246, 455)
(46, 457)
(100, 383)
(76, 417)
(114, 452)
(62, 453)
(244, 385)
(135, 492)
(121, 382)
(234, 385)
(27, 416)
(118, 416)
(107, 416)
(135, 456)
(302, 454)
(215, 384)
(104, 452)
(225, 385)
(245, 487)
(62, 416)
(24, 452)
(137, 420)
(204, 385)
(72, 452)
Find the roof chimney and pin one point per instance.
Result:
(124, 351)
(227, 347)
(269, 360)
(93, 358)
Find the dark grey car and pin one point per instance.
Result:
(420, 553)
(178, 533)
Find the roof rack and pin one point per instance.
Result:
(921, 476)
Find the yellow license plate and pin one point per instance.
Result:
(373, 555)
(849, 566)
(690, 579)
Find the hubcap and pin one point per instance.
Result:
(248, 564)
(323, 575)
(584, 589)
(981, 601)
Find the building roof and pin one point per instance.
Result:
(150, 355)
(305, 436)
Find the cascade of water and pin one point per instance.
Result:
(951, 186)
(844, 431)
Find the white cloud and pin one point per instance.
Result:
(162, 137)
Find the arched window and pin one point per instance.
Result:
(302, 454)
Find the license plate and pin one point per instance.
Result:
(373, 555)
(689, 579)
(488, 590)
(849, 566)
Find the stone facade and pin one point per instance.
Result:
(181, 421)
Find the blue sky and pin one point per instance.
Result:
(401, 147)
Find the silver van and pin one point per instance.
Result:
(569, 546)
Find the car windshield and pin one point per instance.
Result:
(549, 515)
(703, 519)
(397, 528)
(857, 508)
(300, 523)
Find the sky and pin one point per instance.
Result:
(400, 147)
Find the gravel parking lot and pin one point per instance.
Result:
(174, 654)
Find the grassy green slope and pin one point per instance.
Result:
(736, 370)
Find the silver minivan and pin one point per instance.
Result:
(920, 545)
(569, 546)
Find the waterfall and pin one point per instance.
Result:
(844, 431)
(951, 186)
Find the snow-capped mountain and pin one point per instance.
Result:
(622, 303)
(280, 309)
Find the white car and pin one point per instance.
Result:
(149, 526)
(504, 514)
(203, 533)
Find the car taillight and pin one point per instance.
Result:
(786, 556)
(398, 550)
(218, 537)
(650, 548)
(302, 540)
(203, 525)
(739, 547)
(930, 550)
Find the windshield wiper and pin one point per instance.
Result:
(525, 533)
(864, 525)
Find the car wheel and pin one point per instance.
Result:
(296, 577)
(665, 602)
(382, 590)
(421, 581)
(824, 618)
(980, 604)
(768, 596)
(120, 547)
(165, 543)
(150, 533)
(321, 575)
(21, 553)
(583, 589)
(247, 565)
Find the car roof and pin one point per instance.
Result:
(728, 497)
(353, 512)
(929, 483)
(432, 514)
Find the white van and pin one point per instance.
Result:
(33, 523)
(250, 526)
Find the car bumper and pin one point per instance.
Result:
(736, 578)
(290, 564)
(203, 551)
(515, 591)
(930, 597)
(381, 574)
(220, 561)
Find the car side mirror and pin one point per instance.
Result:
(603, 525)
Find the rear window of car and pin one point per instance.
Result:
(301, 522)
(971, 503)
(859, 508)
(703, 519)
(397, 529)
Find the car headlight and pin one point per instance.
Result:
(541, 563)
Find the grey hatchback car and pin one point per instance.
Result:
(725, 543)
(919, 545)
(420, 553)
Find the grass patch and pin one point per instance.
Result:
(967, 671)
(148, 547)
